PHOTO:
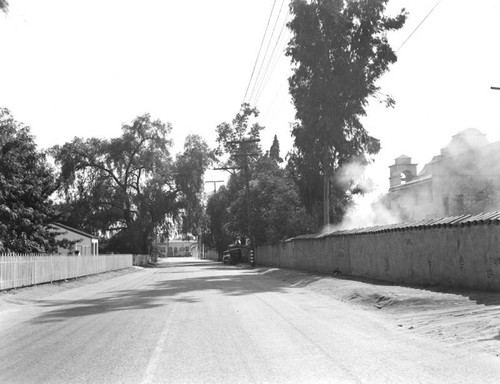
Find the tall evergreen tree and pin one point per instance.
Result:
(274, 151)
(339, 50)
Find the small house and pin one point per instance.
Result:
(86, 244)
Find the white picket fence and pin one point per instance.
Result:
(24, 270)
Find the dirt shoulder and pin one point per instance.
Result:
(470, 319)
(14, 298)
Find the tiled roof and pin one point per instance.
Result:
(453, 221)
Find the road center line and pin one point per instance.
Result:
(156, 355)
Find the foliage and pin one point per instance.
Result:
(238, 130)
(276, 210)
(217, 213)
(130, 186)
(303, 170)
(190, 167)
(339, 50)
(121, 184)
(26, 184)
(240, 142)
(4, 6)
(274, 151)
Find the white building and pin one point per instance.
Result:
(86, 244)
(463, 179)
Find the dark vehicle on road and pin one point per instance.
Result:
(233, 255)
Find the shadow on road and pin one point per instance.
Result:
(179, 281)
(188, 281)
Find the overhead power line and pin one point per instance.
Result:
(273, 61)
(258, 79)
(278, 92)
(260, 48)
(418, 26)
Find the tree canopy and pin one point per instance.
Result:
(190, 167)
(26, 184)
(339, 50)
(274, 151)
(242, 127)
(259, 193)
(218, 219)
(120, 184)
(4, 5)
(131, 186)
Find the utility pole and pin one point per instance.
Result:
(215, 183)
(245, 154)
(243, 143)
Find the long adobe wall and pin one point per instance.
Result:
(461, 256)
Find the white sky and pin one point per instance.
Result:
(82, 68)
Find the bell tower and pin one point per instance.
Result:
(402, 171)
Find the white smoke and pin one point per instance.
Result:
(368, 209)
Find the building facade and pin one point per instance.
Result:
(85, 243)
(177, 248)
(463, 179)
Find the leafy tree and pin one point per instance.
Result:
(240, 141)
(217, 213)
(339, 50)
(277, 210)
(4, 6)
(87, 203)
(190, 167)
(131, 185)
(229, 134)
(124, 184)
(26, 184)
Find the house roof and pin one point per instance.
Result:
(81, 233)
(488, 218)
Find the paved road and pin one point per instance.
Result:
(192, 321)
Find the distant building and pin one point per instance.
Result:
(464, 178)
(177, 248)
(86, 244)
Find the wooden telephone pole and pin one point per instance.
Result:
(215, 183)
(245, 154)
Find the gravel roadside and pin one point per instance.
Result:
(465, 318)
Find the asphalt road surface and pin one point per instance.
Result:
(196, 321)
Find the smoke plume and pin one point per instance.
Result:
(368, 208)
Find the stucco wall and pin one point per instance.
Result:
(83, 245)
(466, 257)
